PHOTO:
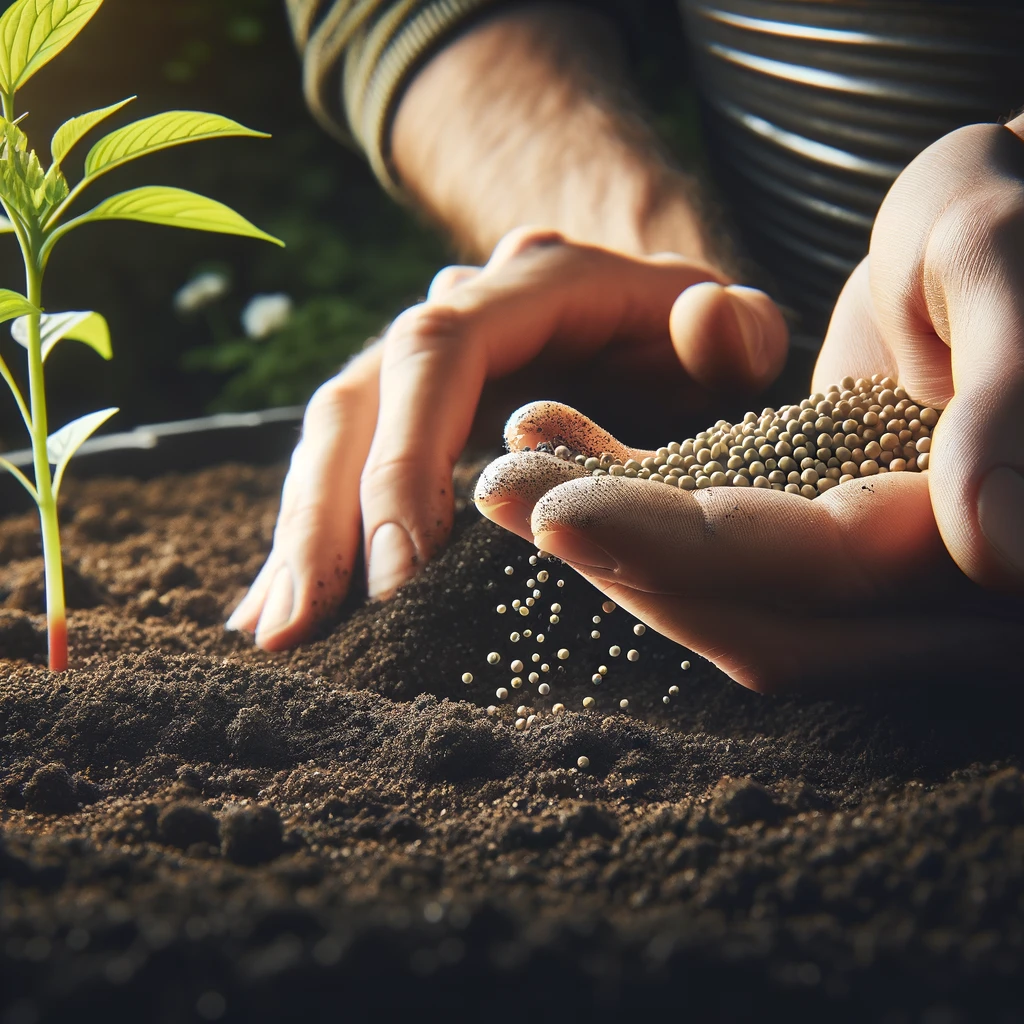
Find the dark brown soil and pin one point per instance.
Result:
(193, 830)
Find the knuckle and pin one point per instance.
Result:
(426, 327)
(448, 278)
(984, 226)
(307, 518)
(331, 395)
(524, 241)
(398, 471)
(336, 396)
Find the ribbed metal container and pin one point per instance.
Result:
(812, 109)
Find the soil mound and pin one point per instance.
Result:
(194, 830)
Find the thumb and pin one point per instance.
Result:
(977, 461)
(750, 336)
(947, 279)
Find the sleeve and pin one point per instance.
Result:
(357, 57)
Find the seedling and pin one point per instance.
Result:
(36, 203)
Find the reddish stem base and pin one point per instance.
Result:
(57, 633)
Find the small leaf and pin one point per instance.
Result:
(62, 444)
(89, 328)
(175, 207)
(12, 304)
(71, 132)
(55, 187)
(160, 132)
(33, 32)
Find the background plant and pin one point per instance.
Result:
(37, 203)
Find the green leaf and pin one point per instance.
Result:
(71, 132)
(89, 328)
(12, 305)
(161, 131)
(62, 444)
(33, 32)
(55, 187)
(175, 207)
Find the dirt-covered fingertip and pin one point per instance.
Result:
(557, 424)
(522, 476)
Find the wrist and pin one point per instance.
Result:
(526, 120)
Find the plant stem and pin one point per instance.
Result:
(56, 618)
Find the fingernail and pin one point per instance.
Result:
(571, 547)
(751, 330)
(1001, 514)
(392, 559)
(232, 625)
(277, 609)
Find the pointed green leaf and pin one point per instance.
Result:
(71, 132)
(89, 328)
(62, 444)
(55, 187)
(33, 32)
(12, 304)
(160, 132)
(175, 207)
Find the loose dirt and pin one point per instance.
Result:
(193, 830)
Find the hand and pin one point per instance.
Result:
(778, 591)
(380, 439)
(781, 591)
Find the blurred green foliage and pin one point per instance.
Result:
(348, 273)
(354, 258)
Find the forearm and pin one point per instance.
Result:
(526, 119)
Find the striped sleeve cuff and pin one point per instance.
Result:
(358, 56)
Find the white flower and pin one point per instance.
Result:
(201, 291)
(265, 314)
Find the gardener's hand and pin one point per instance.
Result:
(380, 439)
(779, 590)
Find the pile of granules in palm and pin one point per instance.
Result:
(857, 429)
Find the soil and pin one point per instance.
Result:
(194, 830)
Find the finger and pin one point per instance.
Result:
(729, 336)
(317, 533)
(951, 302)
(854, 345)
(773, 588)
(448, 279)
(977, 465)
(580, 297)
(438, 355)
(510, 486)
(557, 424)
(700, 543)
